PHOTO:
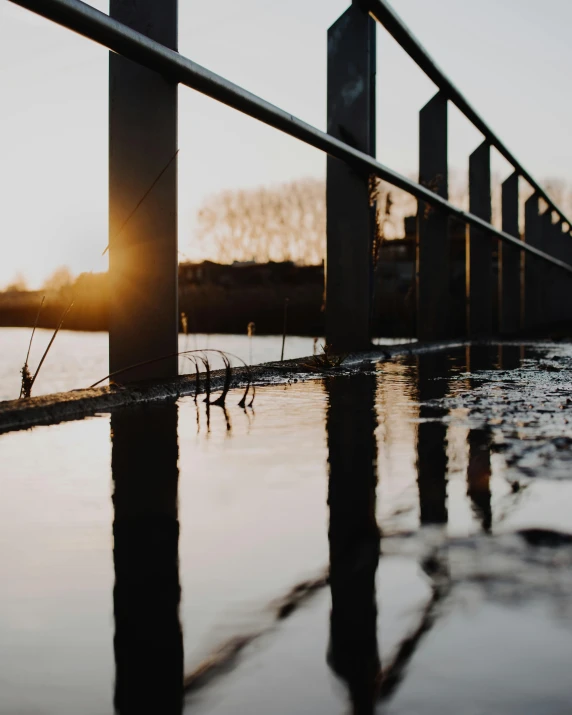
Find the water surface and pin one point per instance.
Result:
(78, 359)
(138, 546)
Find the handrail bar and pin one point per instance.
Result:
(97, 26)
(381, 11)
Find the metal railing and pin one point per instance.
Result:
(97, 26)
(386, 15)
(121, 39)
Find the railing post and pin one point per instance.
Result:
(350, 217)
(532, 284)
(509, 260)
(560, 283)
(433, 247)
(143, 257)
(563, 288)
(480, 246)
(549, 274)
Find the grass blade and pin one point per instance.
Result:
(197, 381)
(205, 362)
(242, 403)
(27, 381)
(201, 356)
(47, 350)
(227, 380)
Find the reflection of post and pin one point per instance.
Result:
(479, 475)
(482, 357)
(509, 357)
(354, 536)
(148, 640)
(432, 440)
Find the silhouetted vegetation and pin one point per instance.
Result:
(196, 356)
(27, 378)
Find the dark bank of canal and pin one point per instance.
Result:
(394, 541)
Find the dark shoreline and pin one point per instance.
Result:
(77, 404)
(219, 298)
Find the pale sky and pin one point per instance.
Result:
(510, 58)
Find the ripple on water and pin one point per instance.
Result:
(462, 467)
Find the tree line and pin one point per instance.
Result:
(287, 222)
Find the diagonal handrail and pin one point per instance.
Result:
(97, 26)
(381, 11)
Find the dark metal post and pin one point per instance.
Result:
(559, 287)
(354, 536)
(560, 283)
(480, 246)
(563, 248)
(148, 641)
(509, 260)
(458, 265)
(350, 217)
(532, 284)
(549, 275)
(433, 248)
(143, 257)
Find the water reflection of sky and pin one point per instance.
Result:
(78, 359)
(263, 506)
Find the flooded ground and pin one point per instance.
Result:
(396, 541)
(78, 359)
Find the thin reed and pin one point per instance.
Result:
(196, 356)
(28, 379)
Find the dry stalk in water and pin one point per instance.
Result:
(204, 359)
(326, 360)
(27, 379)
(206, 363)
(285, 327)
(227, 380)
(197, 380)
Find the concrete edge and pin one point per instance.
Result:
(79, 404)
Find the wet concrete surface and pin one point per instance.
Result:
(523, 397)
(392, 540)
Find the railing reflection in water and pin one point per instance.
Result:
(432, 372)
(148, 640)
(353, 536)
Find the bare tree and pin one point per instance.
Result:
(288, 222)
(279, 223)
(61, 278)
(18, 283)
